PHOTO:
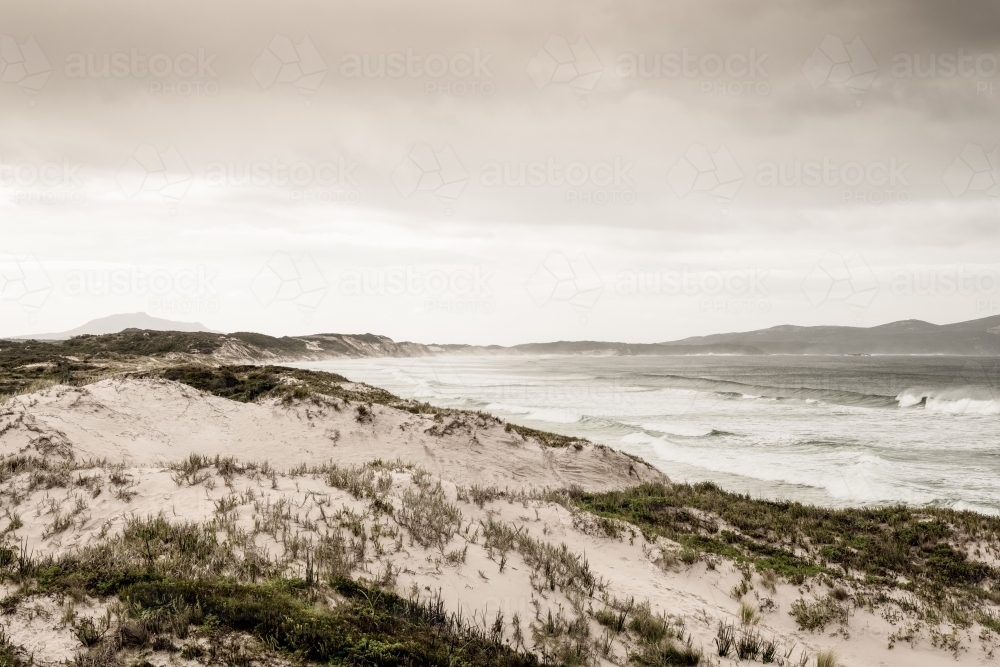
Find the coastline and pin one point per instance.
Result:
(142, 431)
(831, 431)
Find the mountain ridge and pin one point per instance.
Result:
(117, 323)
(971, 337)
(980, 337)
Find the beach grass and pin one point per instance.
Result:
(939, 555)
(935, 564)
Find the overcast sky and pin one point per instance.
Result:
(499, 172)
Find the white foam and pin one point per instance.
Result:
(685, 430)
(508, 408)
(552, 415)
(849, 475)
(637, 439)
(555, 416)
(908, 400)
(953, 401)
(964, 406)
(858, 452)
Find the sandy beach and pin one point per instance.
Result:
(135, 435)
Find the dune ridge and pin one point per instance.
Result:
(454, 508)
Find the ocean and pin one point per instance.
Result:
(827, 430)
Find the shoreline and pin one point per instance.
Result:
(157, 439)
(605, 411)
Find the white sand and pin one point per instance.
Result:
(146, 424)
(151, 422)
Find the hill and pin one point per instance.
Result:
(973, 337)
(117, 323)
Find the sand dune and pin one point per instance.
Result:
(142, 426)
(149, 422)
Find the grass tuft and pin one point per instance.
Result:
(827, 658)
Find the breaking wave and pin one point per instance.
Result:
(955, 400)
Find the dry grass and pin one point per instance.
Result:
(428, 515)
(827, 658)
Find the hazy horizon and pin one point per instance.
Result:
(499, 174)
(84, 325)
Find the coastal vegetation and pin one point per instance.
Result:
(197, 589)
(936, 562)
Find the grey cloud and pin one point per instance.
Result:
(554, 154)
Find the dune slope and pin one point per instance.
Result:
(453, 509)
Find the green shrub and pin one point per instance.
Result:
(795, 541)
